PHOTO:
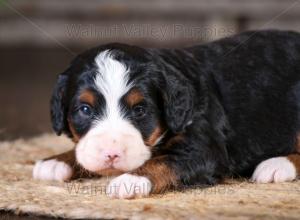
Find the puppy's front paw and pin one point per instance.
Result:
(127, 186)
(52, 170)
(278, 169)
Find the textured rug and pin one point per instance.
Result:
(86, 198)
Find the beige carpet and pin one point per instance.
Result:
(86, 199)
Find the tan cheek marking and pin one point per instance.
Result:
(87, 97)
(134, 97)
(76, 136)
(295, 159)
(160, 174)
(151, 140)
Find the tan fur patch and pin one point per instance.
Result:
(295, 159)
(110, 172)
(87, 97)
(76, 136)
(161, 176)
(157, 132)
(134, 97)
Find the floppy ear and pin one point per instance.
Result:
(58, 109)
(178, 103)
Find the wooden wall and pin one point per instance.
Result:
(38, 38)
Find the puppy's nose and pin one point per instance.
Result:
(111, 155)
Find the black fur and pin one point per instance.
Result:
(58, 109)
(235, 101)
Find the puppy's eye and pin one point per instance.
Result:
(139, 111)
(85, 110)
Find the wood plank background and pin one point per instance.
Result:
(38, 38)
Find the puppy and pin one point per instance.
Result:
(165, 119)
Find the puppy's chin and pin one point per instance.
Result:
(110, 172)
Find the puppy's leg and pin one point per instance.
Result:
(183, 166)
(277, 169)
(62, 167)
(154, 176)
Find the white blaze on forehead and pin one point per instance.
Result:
(112, 81)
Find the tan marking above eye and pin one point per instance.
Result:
(88, 97)
(134, 97)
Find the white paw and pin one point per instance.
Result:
(128, 186)
(277, 169)
(52, 170)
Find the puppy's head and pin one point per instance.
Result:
(117, 102)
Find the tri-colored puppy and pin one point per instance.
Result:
(171, 118)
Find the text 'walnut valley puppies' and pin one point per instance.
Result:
(164, 119)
